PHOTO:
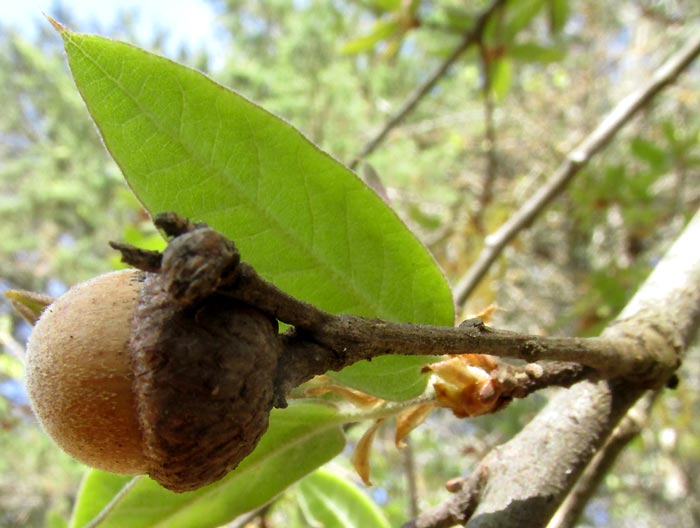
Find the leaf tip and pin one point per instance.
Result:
(29, 305)
(56, 24)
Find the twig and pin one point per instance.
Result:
(574, 162)
(409, 468)
(629, 351)
(486, 194)
(470, 38)
(203, 262)
(457, 509)
(521, 381)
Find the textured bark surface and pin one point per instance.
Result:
(204, 383)
(531, 475)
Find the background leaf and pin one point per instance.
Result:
(520, 14)
(301, 438)
(305, 222)
(558, 14)
(96, 491)
(381, 30)
(501, 77)
(533, 52)
(327, 500)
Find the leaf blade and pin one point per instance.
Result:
(307, 223)
(329, 500)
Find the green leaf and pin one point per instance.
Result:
(519, 15)
(300, 439)
(458, 18)
(532, 52)
(55, 520)
(29, 305)
(655, 156)
(386, 5)
(328, 500)
(96, 491)
(307, 223)
(382, 30)
(501, 77)
(558, 15)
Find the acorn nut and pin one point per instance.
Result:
(128, 381)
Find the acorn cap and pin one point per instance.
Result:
(203, 382)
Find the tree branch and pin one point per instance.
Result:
(531, 475)
(469, 39)
(491, 170)
(629, 427)
(573, 163)
(457, 509)
(199, 262)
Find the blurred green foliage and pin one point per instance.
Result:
(502, 118)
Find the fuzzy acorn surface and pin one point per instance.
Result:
(79, 375)
(126, 380)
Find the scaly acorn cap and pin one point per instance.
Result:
(203, 382)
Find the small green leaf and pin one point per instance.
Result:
(386, 5)
(382, 30)
(519, 15)
(307, 224)
(650, 153)
(501, 77)
(532, 52)
(29, 305)
(300, 439)
(558, 15)
(328, 500)
(458, 18)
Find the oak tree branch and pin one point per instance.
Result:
(530, 476)
(201, 262)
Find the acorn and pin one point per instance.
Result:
(78, 373)
(131, 373)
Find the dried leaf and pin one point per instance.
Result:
(360, 457)
(358, 398)
(29, 305)
(408, 420)
(486, 313)
(484, 361)
(459, 371)
(466, 386)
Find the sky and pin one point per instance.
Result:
(189, 22)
